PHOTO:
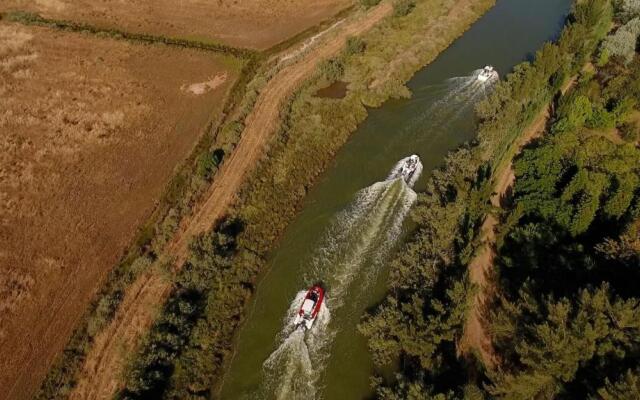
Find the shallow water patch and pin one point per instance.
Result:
(337, 90)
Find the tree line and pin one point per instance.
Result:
(564, 320)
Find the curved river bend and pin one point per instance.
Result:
(353, 219)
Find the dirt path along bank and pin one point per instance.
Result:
(475, 337)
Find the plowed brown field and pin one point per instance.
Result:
(255, 24)
(91, 131)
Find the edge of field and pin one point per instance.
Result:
(62, 374)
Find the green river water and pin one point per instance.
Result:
(353, 220)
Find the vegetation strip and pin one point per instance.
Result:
(562, 323)
(28, 18)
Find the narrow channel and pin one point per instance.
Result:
(354, 218)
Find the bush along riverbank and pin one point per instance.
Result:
(184, 355)
(567, 318)
(557, 328)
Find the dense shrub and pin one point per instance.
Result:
(624, 41)
(209, 162)
(565, 322)
(573, 183)
(369, 3)
(355, 45)
(625, 387)
(332, 69)
(402, 8)
(627, 9)
(169, 336)
(561, 275)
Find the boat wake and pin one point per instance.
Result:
(289, 371)
(460, 94)
(347, 261)
(464, 91)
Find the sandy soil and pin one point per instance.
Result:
(255, 24)
(91, 131)
(475, 337)
(107, 358)
(100, 375)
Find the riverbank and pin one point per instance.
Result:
(311, 130)
(433, 286)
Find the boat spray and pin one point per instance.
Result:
(460, 94)
(347, 260)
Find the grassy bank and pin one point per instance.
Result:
(188, 347)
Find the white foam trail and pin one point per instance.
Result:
(362, 233)
(353, 250)
(462, 94)
(290, 367)
(289, 370)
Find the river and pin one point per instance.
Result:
(354, 218)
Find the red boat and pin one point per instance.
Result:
(310, 307)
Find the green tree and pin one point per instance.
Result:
(627, 387)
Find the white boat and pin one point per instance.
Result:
(409, 168)
(488, 73)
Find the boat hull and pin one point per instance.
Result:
(310, 308)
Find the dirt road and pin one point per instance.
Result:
(135, 314)
(475, 337)
(103, 367)
(261, 124)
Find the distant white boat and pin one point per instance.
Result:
(487, 74)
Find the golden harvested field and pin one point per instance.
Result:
(257, 24)
(91, 131)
